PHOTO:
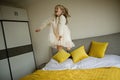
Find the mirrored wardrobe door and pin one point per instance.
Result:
(19, 48)
(4, 66)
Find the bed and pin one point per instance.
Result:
(91, 67)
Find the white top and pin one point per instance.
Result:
(58, 28)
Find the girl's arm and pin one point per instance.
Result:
(61, 24)
(45, 24)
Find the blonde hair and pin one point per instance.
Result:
(64, 12)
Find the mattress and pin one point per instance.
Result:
(91, 68)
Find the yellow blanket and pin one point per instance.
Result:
(112, 73)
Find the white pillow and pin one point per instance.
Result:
(54, 65)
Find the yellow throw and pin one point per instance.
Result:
(111, 73)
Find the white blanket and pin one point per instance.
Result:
(87, 63)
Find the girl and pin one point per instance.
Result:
(59, 32)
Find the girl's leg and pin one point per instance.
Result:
(59, 47)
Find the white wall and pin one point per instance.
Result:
(89, 18)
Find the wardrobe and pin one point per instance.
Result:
(16, 51)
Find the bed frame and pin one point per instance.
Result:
(112, 39)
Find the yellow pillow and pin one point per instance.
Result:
(98, 49)
(79, 54)
(61, 56)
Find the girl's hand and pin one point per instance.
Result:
(37, 30)
(60, 38)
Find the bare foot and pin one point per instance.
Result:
(68, 48)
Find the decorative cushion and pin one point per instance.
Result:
(61, 56)
(79, 54)
(98, 49)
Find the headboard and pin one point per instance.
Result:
(112, 39)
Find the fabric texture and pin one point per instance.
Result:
(97, 49)
(111, 73)
(79, 54)
(58, 28)
(61, 56)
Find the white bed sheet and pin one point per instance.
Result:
(87, 63)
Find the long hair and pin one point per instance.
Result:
(64, 12)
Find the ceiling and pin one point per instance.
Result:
(18, 3)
